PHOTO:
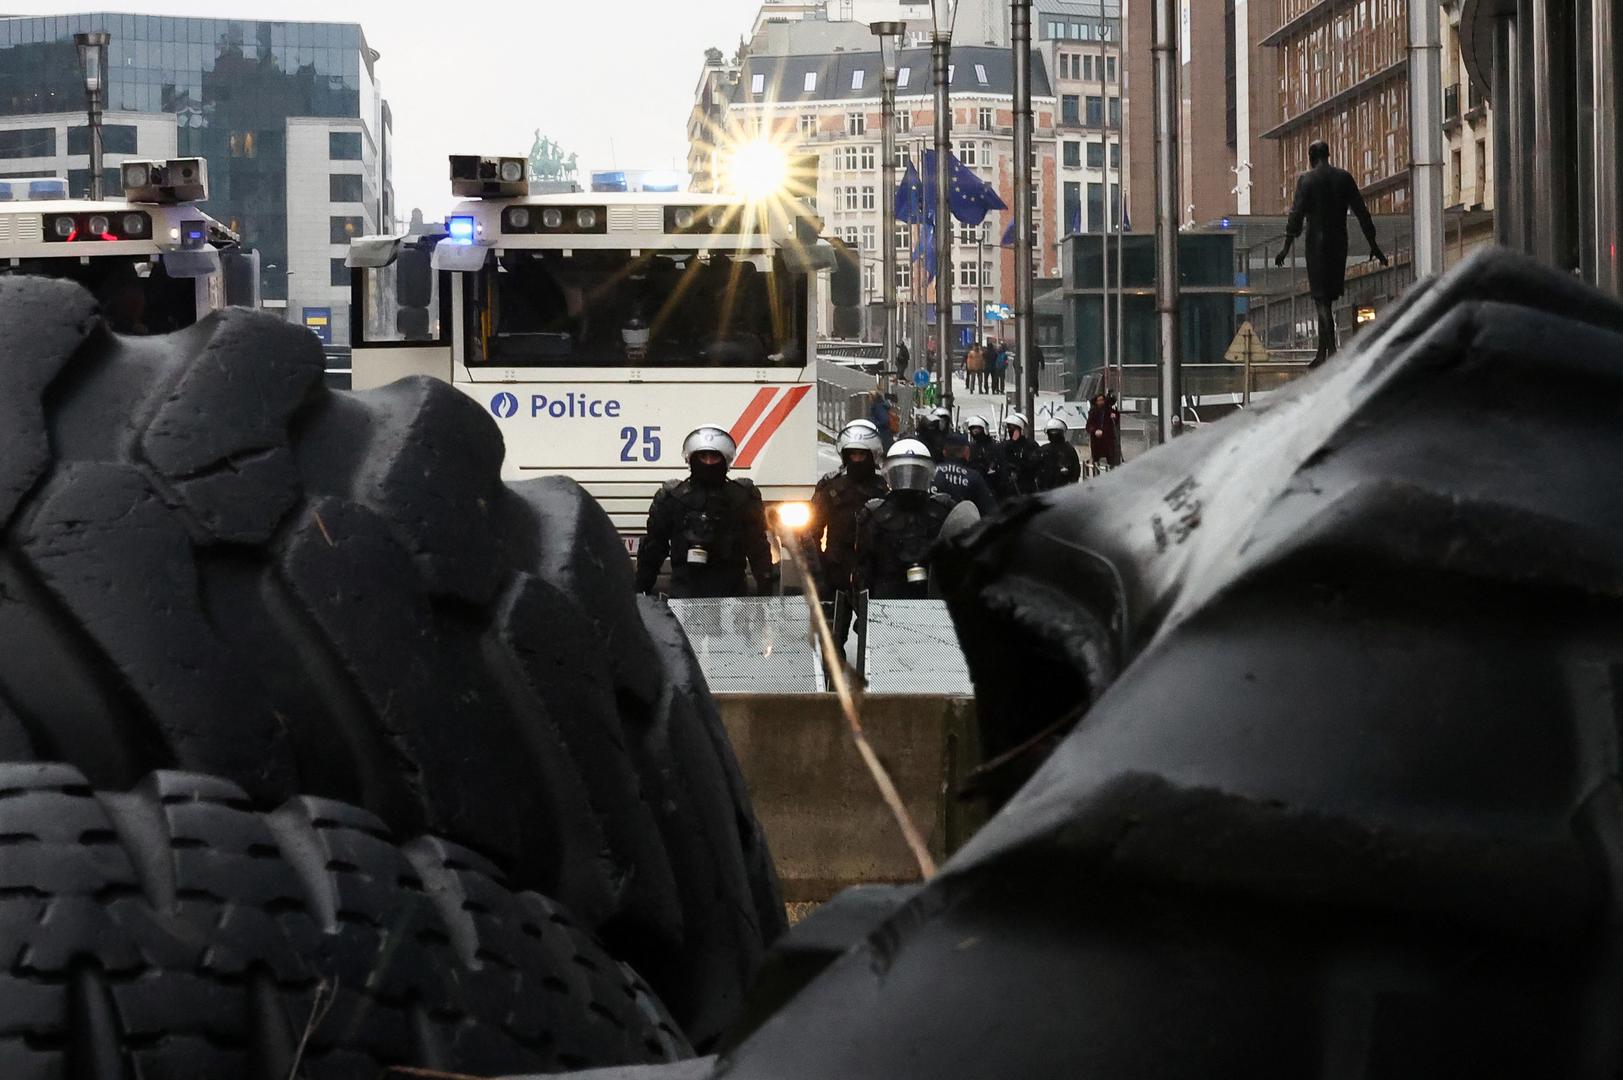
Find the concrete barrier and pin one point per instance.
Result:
(822, 814)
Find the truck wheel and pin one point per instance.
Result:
(221, 565)
(173, 931)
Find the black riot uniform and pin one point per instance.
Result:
(723, 523)
(930, 434)
(830, 537)
(1018, 458)
(1057, 465)
(894, 535)
(959, 481)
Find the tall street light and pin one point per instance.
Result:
(890, 40)
(1025, 243)
(941, 67)
(93, 62)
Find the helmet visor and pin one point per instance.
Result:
(909, 475)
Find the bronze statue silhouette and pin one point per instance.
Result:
(1324, 194)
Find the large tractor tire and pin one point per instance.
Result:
(1351, 803)
(210, 561)
(172, 931)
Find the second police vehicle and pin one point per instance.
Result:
(598, 329)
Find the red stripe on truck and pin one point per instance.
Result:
(757, 405)
(770, 425)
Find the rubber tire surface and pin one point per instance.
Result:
(172, 931)
(220, 565)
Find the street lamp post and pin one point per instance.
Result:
(1025, 243)
(1165, 50)
(93, 63)
(889, 34)
(940, 61)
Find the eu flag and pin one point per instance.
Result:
(910, 207)
(969, 197)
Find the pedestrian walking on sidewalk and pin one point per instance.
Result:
(975, 369)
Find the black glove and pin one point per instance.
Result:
(1377, 254)
(1279, 260)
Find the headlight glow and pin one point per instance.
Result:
(794, 515)
(461, 229)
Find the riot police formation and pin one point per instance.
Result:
(895, 533)
(1057, 460)
(709, 525)
(984, 455)
(961, 482)
(1018, 456)
(830, 537)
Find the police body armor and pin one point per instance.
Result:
(1019, 465)
(838, 500)
(1057, 465)
(707, 535)
(897, 533)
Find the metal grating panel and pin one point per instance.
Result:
(636, 218)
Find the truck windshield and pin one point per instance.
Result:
(136, 295)
(613, 309)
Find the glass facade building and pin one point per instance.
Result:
(230, 87)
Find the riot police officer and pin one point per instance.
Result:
(1057, 462)
(710, 526)
(1018, 456)
(895, 534)
(984, 456)
(830, 536)
(932, 431)
(958, 481)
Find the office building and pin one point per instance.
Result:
(289, 116)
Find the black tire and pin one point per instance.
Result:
(172, 931)
(220, 565)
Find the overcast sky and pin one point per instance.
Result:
(612, 80)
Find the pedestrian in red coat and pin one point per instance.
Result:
(1102, 430)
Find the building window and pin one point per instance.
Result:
(868, 233)
(1481, 172)
(1087, 67)
(868, 198)
(1073, 154)
(967, 153)
(1115, 155)
(971, 234)
(903, 238)
(848, 159)
(980, 74)
(867, 279)
(856, 123)
(985, 119)
(115, 139)
(810, 84)
(1073, 207)
(1110, 68)
(850, 236)
(1096, 111)
(904, 120)
(967, 274)
(868, 155)
(987, 274)
(904, 276)
(902, 77)
(28, 142)
(901, 158)
(851, 199)
(1096, 155)
(1069, 109)
(758, 83)
(340, 230)
(1115, 112)
(344, 145)
(1458, 178)
(808, 125)
(344, 187)
(1096, 208)
(337, 274)
(856, 79)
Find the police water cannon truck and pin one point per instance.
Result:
(153, 259)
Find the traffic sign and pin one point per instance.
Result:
(1246, 348)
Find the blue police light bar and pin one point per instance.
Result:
(461, 230)
(609, 181)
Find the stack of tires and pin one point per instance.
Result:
(324, 749)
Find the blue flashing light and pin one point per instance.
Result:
(1225, 223)
(461, 229)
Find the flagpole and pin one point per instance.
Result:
(889, 34)
(940, 55)
(1104, 215)
(1121, 212)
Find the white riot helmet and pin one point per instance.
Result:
(860, 435)
(942, 416)
(976, 422)
(1055, 425)
(710, 437)
(1016, 420)
(909, 466)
